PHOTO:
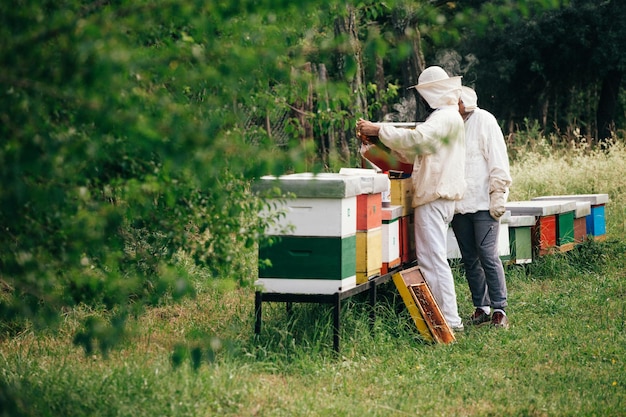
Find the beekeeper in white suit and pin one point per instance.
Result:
(437, 150)
(476, 222)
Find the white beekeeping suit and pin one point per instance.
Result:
(476, 219)
(487, 162)
(436, 148)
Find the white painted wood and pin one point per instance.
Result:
(305, 286)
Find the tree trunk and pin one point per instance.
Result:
(347, 25)
(327, 140)
(380, 87)
(607, 105)
(408, 30)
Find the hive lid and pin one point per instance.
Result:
(372, 182)
(521, 221)
(311, 185)
(392, 212)
(583, 209)
(594, 199)
(540, 207)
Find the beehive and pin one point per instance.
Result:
(596, 220)
(391, 238)
(369, 254)
(402, 194)
(369, 211)
(583, 210)
(520, 239)
(407, 239)
(552, 225)
(369, 222)
(315, 249)
(504, 249)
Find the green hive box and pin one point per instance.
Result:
(520, 239)
(565, 231)
(322, 258)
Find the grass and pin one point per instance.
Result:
(565, 353)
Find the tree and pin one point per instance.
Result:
(123, 144)
(556, 65)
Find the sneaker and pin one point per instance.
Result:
(500, 320)
(458, 329)
(479, 317)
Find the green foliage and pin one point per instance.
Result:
(548, 61)
(131, 131)
(124, 142)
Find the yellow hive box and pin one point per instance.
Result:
(402, 194)
(369, 254)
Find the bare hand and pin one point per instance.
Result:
(365, 128)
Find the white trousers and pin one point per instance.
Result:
(431, 229)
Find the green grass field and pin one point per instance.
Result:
(564, 355)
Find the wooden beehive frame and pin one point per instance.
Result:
(422, 306)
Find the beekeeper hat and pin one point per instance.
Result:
(431, 75)
(437, 88)
(469, 99)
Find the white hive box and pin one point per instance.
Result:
(371, 182)
(504, 251)
(391, 237)
(316, 217)
(316, 248)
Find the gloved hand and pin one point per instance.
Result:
(496, 204)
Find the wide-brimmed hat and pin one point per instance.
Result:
(438, 88)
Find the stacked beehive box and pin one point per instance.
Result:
(391, 238)
(402, 195)
(596, 219)
(369, 231)
(315, 252)
(554, 223)
(520, 239)
(583, 211)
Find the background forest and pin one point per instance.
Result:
(129, 130)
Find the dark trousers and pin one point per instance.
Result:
(477, 236)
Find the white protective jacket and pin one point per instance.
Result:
(486, 163)
(437, 150)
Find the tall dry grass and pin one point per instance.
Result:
(540, 169)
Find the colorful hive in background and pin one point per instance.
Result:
(520, 239)
(596, 220)
(583, 210)
(554, 225)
